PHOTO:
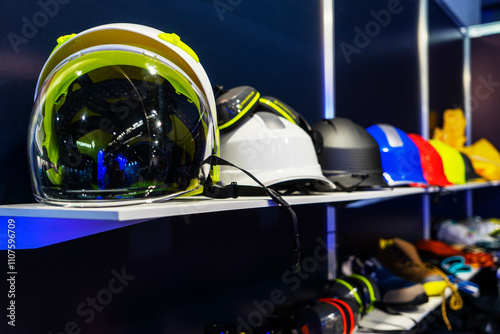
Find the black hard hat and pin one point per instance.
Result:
(470, 173)
(350, 157)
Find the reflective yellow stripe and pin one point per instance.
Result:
(288, 115)
(216, 168)
(353, 292)
(243, 112)
(368, 284)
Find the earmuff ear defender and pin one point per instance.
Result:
(368, 289)
(356, 288)
(327, 315)
(342, 288)
(349, 311)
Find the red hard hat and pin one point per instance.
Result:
(432, 164)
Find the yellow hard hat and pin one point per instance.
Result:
(453, 163)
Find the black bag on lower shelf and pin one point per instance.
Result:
(479, 315)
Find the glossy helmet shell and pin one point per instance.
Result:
(453, 163)
(349, 156)
(400, 156)
(432, 164)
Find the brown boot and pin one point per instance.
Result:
(401, 258)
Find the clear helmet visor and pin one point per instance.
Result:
(115, 124)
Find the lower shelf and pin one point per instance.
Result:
(378, 320)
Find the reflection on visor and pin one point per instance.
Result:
(121, 132)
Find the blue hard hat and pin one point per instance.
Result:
(399, 154)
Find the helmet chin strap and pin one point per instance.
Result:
(216, 191)
(355, 186)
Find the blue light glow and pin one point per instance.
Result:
(35, 232)
(101, 169)
(122, 161)
(328, 60)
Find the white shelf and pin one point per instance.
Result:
(198, 204)
(40, 225)
(190, 205)
(381, 321)
(470, 186)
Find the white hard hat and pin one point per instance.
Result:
(273, 149)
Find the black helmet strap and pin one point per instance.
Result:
(216, 191)
(355, 186)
